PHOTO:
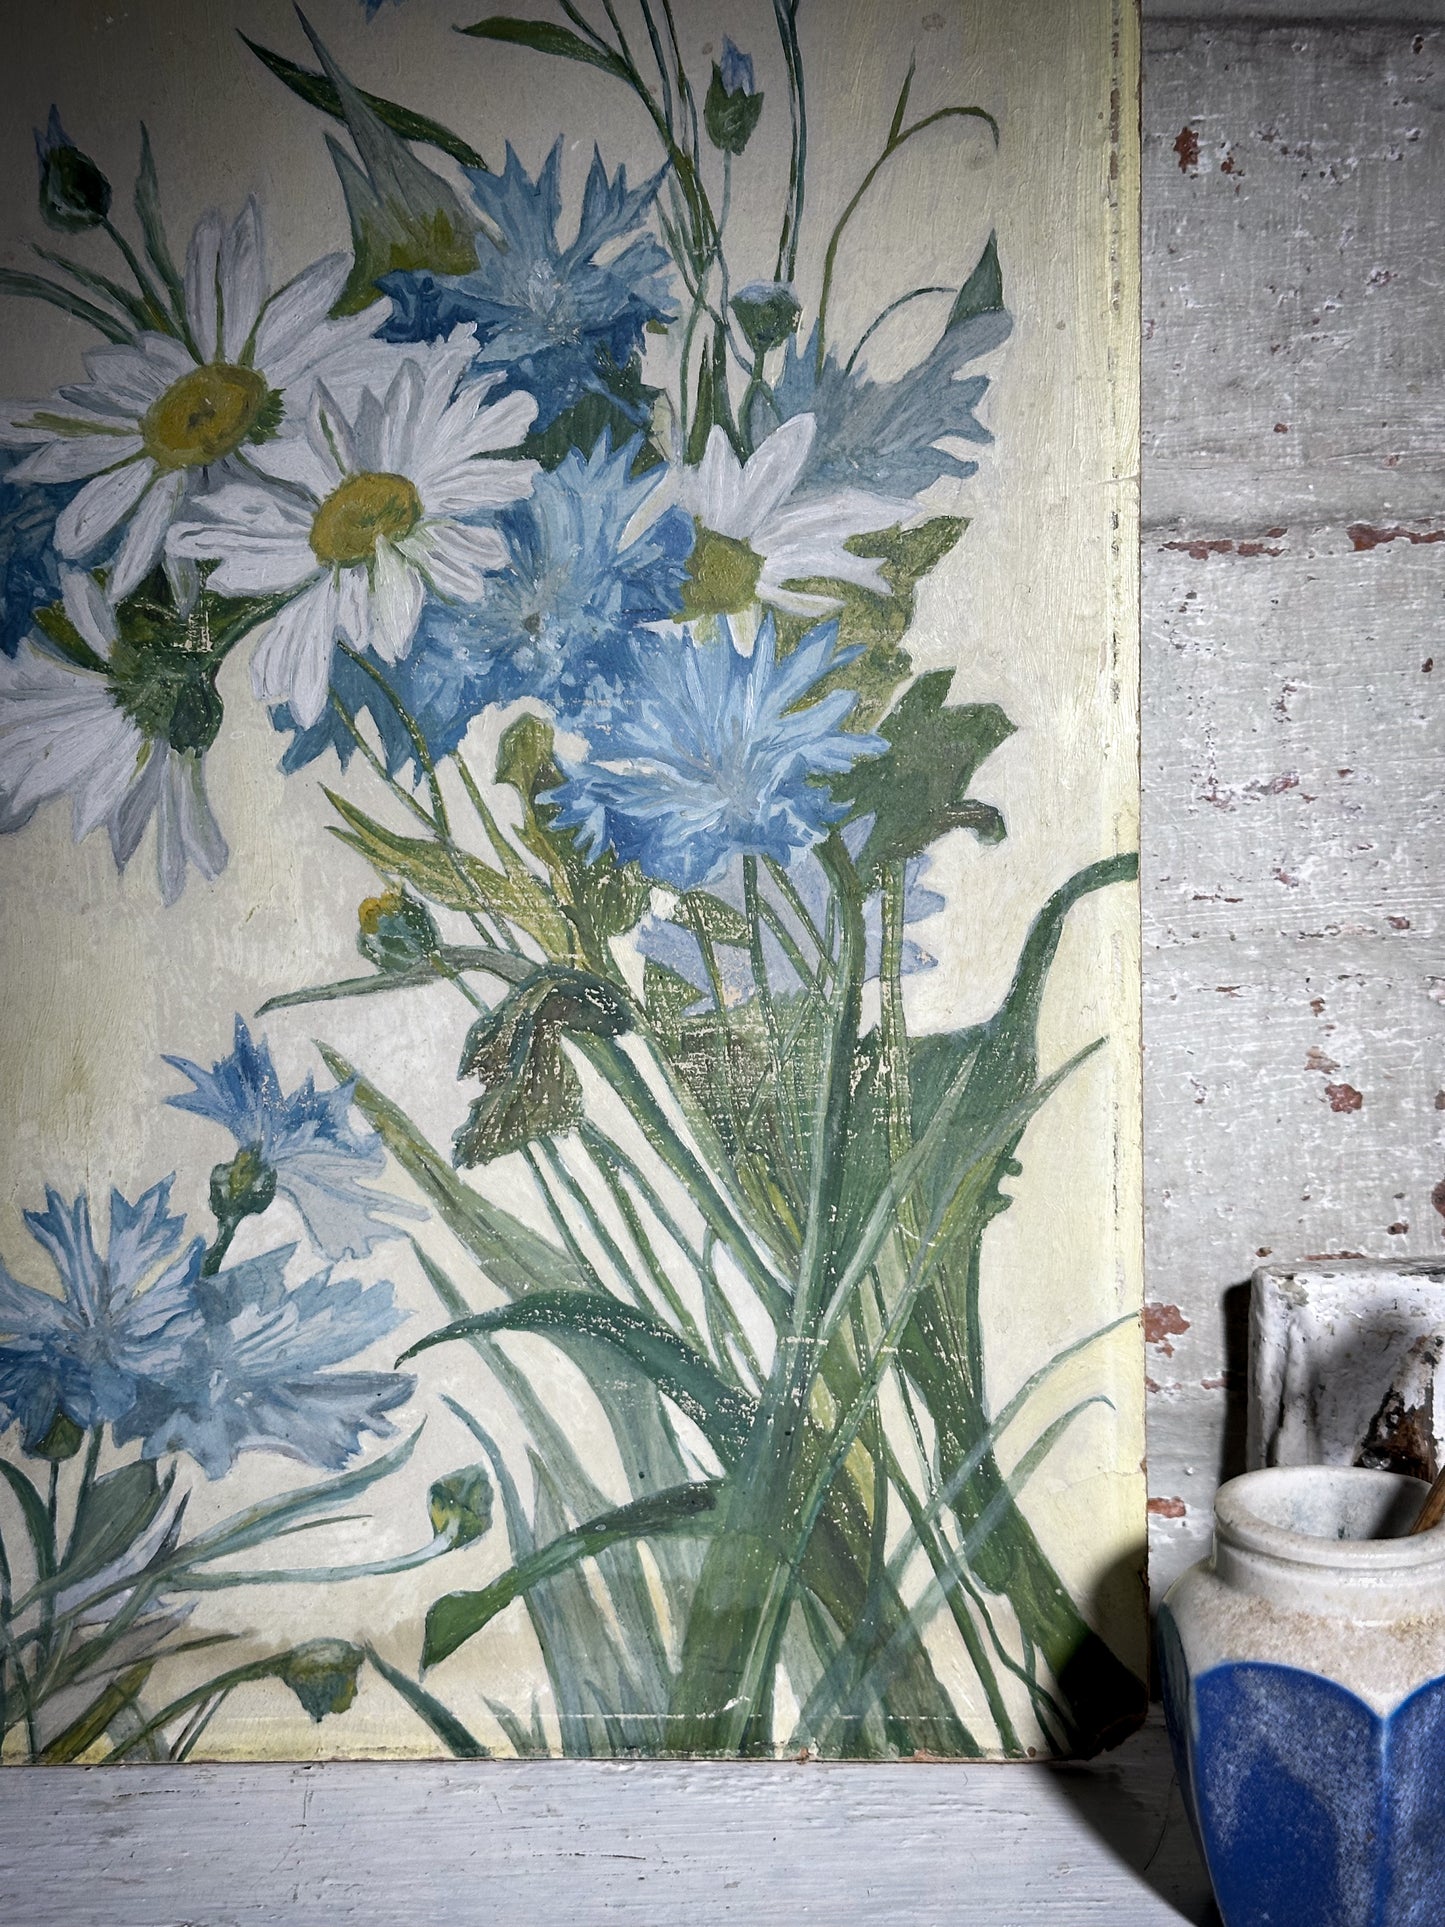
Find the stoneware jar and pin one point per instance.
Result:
(1304, 1681)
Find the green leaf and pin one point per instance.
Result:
(982, 293)
(268, 1517)
(622, 403)
(37, 1519)
(600, 897)
(543, 38)
(148, 213)
(529, 1089)
(142, 314)
(505, 964)
(511, 1254)
(317, 91)
(39, 289)
(112, 1515)
(668, 997)
(90, 1726)
(444, 1723)
(459, 1616)
(729, 118)
(460, 1505)
(403, 216)
(877, 624)
(678, 1371)
(454, 878)
(323, 1674)
(711, 917)
(920, 788)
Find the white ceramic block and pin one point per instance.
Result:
(1344, 1365)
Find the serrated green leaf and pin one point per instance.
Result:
(459, 1616)
(600, 897)
(919, 789)
(317, 91)
(403, 216)
(455, 878)
(529, 1089)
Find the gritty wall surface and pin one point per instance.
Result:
(1294, 677)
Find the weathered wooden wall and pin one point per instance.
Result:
(1294, 683)
(1294, 582)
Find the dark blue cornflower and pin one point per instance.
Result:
(305, 1137)
(118, 1318)
(556, 321)
(29, 567)
(253, 1373)
(711, 754)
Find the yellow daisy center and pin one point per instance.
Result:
(722, 575)
(206, 415)
(355, 517)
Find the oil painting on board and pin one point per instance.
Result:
(568, 768)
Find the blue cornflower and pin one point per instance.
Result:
(120, 1317)
(883, 435)
(553, 319)
(555, 626)
(252, 1373)
(29, 568)
(709, 756)
(736, 69)
(305, 1137)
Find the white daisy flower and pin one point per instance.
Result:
(69, 727)
(159, 419)
(754, 539)
(364, 515)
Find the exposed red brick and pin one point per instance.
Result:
(1167, 1508)
(1344, 1097)
(1161, 1323)
(1315, 1060)
(1398, 923)
(1187, 148)
(1396, 1230)
(1364, 537)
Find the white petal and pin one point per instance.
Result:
(468, 486)
(772, 472)
(396, 599)
(297, 313)
(86, 522)
(146, 536)
(713, 490)
(128, 821)
(60, 729)
(353, 606)
(330, 435)
(403, 403)
(202, 260)
(130, 378)
(201, 833)
(71, 458)
(242, 276)
(456, 559)
(792, 602)
(258, 537)
(292, 663)
(291, 458)
(89, 612)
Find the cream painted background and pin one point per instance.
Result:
(1037, 607)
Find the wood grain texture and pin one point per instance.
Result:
(1294, 568)
(371, 1846)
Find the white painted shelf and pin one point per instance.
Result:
(536, 1844)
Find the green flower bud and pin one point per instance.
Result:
(767, 313)
(74, 194)
(323, 1675)
(397, 932)
(243, 1188)
(461, 1505)
(733, 105)
(62, 1441)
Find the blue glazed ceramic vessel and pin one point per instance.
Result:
(1304, 1681)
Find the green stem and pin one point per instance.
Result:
(898, 137)
(914, 294)
(149, 292)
